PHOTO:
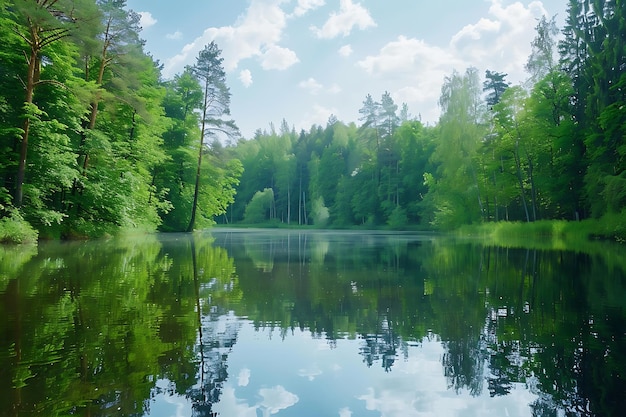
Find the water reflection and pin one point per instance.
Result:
(310, 323)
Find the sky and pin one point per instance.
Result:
(303, 60)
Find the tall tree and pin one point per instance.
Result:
(543, 48)
(183, 97)
(209, 72)
(42, 23)
(370, 116)
(119, 48)
(388, 113)
(594, 54)
(457, 192)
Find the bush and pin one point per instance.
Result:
(14, 229)
(398, 219)
(259, 207)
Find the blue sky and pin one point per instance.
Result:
(303, 60)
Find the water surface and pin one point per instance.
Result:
(290, 323)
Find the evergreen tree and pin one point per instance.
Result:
(209, 72)
(494, 85)
(388, 114)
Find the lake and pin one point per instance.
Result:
(311, 323)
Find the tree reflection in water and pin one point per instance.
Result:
(95, 328)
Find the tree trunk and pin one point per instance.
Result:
(520, 181)
(31, 80)
(289, 203)
(196, 192)
(533, 190)
(300, 200)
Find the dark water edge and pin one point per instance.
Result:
(261, 322)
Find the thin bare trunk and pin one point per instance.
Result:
(196, 192)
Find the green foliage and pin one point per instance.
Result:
(494, 85)
(319, 213)
(398, 219)
(458, 194)
(129, 308)
(259, 208)
(551, 234)
(14, 229)
(98, 143)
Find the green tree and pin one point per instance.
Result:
(388, 114)
(209, 72)
(494, 85)
(542, 58)
(41, 24)
(116, 59)
(259, 209)
(456, 195)
(514, 147)
(593, 55)
(370, 116)
(183, 96)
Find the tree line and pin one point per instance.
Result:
(551, 147)
(92, 139)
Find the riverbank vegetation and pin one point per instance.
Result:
(95, 141)
(547, 234)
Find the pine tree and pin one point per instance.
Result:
(209, 71)
(494, 85)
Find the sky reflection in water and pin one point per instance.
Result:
(263, 323)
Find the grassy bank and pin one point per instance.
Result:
(551, 233)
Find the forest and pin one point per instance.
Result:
(93, 140)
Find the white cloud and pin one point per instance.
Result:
(277, 398)
(345, 50)
(255, 34)
(244, 377)
(417, 68)
(175, 36)
(502, 41)
(475, 31)
(345, 412)
(274, 400)
(342, 22)
(310, 373)
(305, 6)
(317, 116)
(407, 55)
(413, 70)
(146, 20)
(230, 405)
(278, 58)
(314, 87)
(334, 89)
(311, 85)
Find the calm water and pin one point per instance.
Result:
(260, 323)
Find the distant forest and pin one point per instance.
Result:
(93, 140)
